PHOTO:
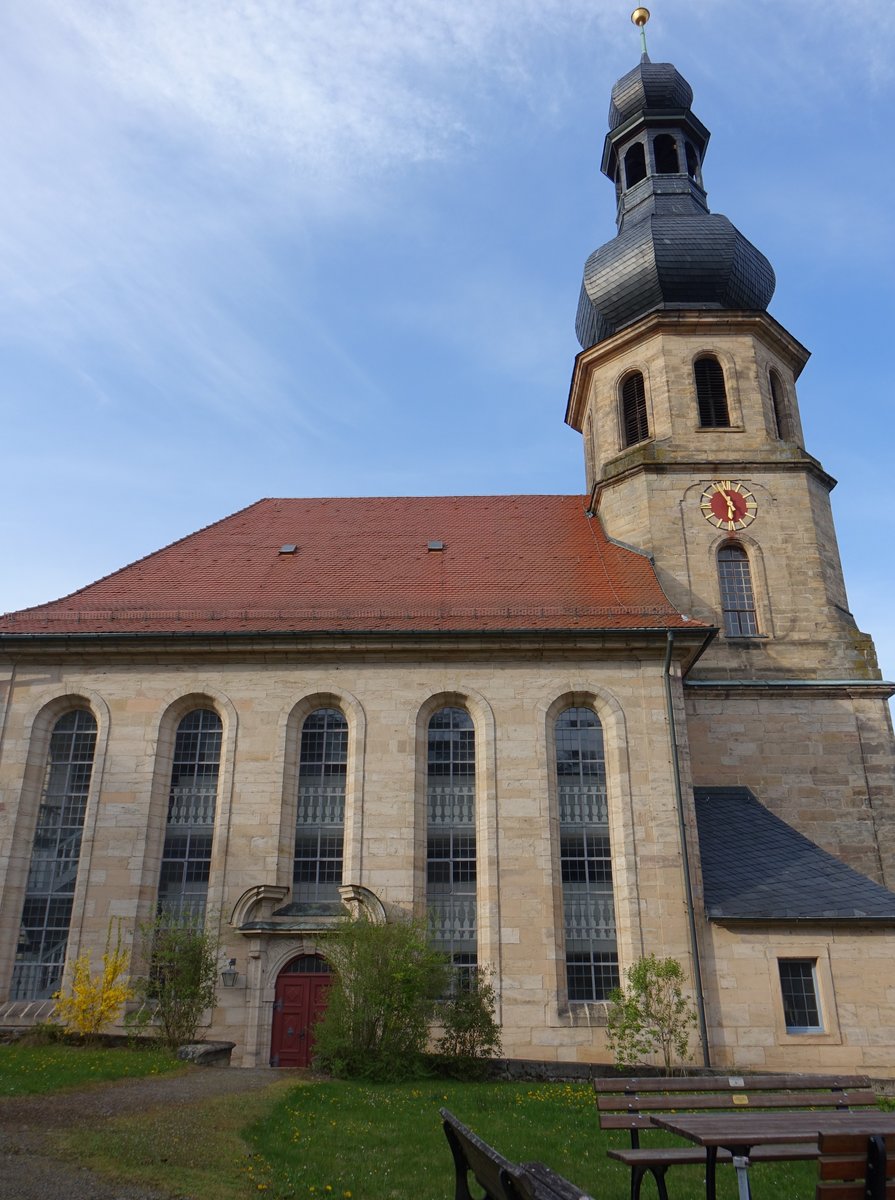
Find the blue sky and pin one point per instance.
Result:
(256, 247)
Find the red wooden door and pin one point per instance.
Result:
(300, 1001)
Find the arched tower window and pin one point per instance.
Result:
(320, 815)
(737, 597)
(192, 801)
(635, 165)
(55, 853)
(665, 152)
(635, 427)
(779, 405)
(711, 394)
(585, 856)
(450, 841)
(692, 161)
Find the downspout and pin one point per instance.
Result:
(685, 856)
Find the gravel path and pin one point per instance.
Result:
(28, 1173)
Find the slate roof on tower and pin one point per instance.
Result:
(366, 564)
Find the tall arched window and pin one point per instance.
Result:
(192, 801)
(665, 153)
(55, 853)
(450, 841)
(779, 405)
(320, 815)
(585, 856)
(737, 598)
(635, 427)
(711, 394)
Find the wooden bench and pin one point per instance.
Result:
(628, 1103)
(853, 1166)
(501, 1179)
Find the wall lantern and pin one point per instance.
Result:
(229, 975)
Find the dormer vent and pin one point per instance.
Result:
(288, 549)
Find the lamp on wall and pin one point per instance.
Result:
(229, 975)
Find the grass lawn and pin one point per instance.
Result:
(380, 1142)
(33, 1070)
(344, 1141)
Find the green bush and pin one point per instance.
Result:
(385, 985)
(471, 1033)
(182, 978)
(651, 1015)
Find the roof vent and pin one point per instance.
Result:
(435, 546)
(288, 548)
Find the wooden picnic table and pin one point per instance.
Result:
(738, 1132)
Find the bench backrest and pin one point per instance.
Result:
(628, 1103)
(501, 1179)
(853, 1166)
(473, 1156)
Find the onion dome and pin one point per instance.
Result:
(670, 251)
(649, 85)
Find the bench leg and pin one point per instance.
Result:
(637, 1176)
(741, 1166)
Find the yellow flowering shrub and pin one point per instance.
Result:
(96, 1000)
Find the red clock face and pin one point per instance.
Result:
(728, 506)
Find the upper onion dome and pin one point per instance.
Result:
(649, 85)
(670, 251)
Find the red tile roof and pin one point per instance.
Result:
(363, 564)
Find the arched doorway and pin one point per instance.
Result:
(301, 991)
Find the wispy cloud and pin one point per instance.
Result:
(152, 150)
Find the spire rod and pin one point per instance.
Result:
(640, 16)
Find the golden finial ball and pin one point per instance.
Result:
(640, 16)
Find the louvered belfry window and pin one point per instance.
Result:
(737, 597)
(711, 394)
(585, 857)
(55, 854)
(634, 422)
(782, 427)
(192, 803)
(320, 817)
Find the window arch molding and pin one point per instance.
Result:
(622, 830)
(38, 730)
(488, 911)
(731, 386)
(289, 746)
(761, 593)
(177, 706)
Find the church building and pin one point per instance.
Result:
(570, 730)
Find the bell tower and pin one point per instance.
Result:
(685, 394)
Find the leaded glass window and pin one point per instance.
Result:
(585, 856)
(451, 840)
(192, 803)
(55, 854)
(737, 598)
(320, 814)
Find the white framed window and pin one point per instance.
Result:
(801, 999)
